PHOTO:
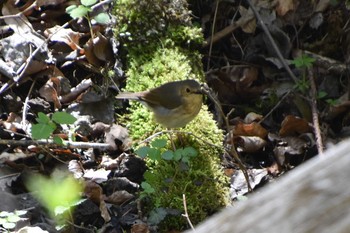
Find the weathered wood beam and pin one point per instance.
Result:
(314, 197)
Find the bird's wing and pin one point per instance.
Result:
(170, 97)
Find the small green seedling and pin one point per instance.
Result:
(84, 9)
(46, 126)
(303, 61)
(157, 151)
(8, 220)
(58, 193)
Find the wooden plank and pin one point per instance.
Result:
(312, 198)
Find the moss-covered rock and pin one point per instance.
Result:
(167, 55)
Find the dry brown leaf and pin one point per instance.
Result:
(119, 197)
(76, 91)
(274, 169)
(64, 35)
(250, 26)
(292, 125)
(104, 211)
(252, 129)
(102, 48)
(93, 191)
(51, 90)
(140, 227)
(284, 6)
(249, 144)
(252, 117)
(322, 5)
(250, 74)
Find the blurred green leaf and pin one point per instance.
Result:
(102, 18)
(63, 118)
(41, 131)
(42, 118)
(88, 2)
(147, 187)
(61, 190)
(58, 140)
(154, 154)
(142, 151)
(168, 155)
(190, 151)
(79, 11)
(159, 143)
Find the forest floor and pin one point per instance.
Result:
(278, 68)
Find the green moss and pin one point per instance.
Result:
(169, 55)
(203, 183)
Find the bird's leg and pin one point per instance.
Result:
(171, 139)
(180, 138)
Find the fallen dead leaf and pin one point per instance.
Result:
(284, 6)
(292, 125)
(252, 129)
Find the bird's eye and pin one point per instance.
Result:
(188, 90)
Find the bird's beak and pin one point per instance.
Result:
(200, 91)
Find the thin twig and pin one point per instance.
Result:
(232, 151)
(212, 32)
(186, 213)
(276, 106)
(229, 29)
(315, 121)
(25, 106)
(273, 43)
(51, 143)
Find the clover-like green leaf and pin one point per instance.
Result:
(42, 131)
(63, 118)
(158, 143)
(142, 151)
(88, 2)
(102, 18)
(168, 155)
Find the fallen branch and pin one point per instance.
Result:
(51, 143)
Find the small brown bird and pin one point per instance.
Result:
(173, 104)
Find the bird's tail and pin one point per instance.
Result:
(128, 95)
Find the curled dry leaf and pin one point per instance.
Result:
(64, 35)
(249, 144)
(250, 26)
(80, 88)
(284, 6)
(119, 197)
(289, 146)
(75, 168)
(292, 125)
(118, 137)
(93, 191)
(51, 90)
(104, 211)
(97, 176)
(140, 227)
(252, 117)
(98, 50)
(252, 129)
(239, 184)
